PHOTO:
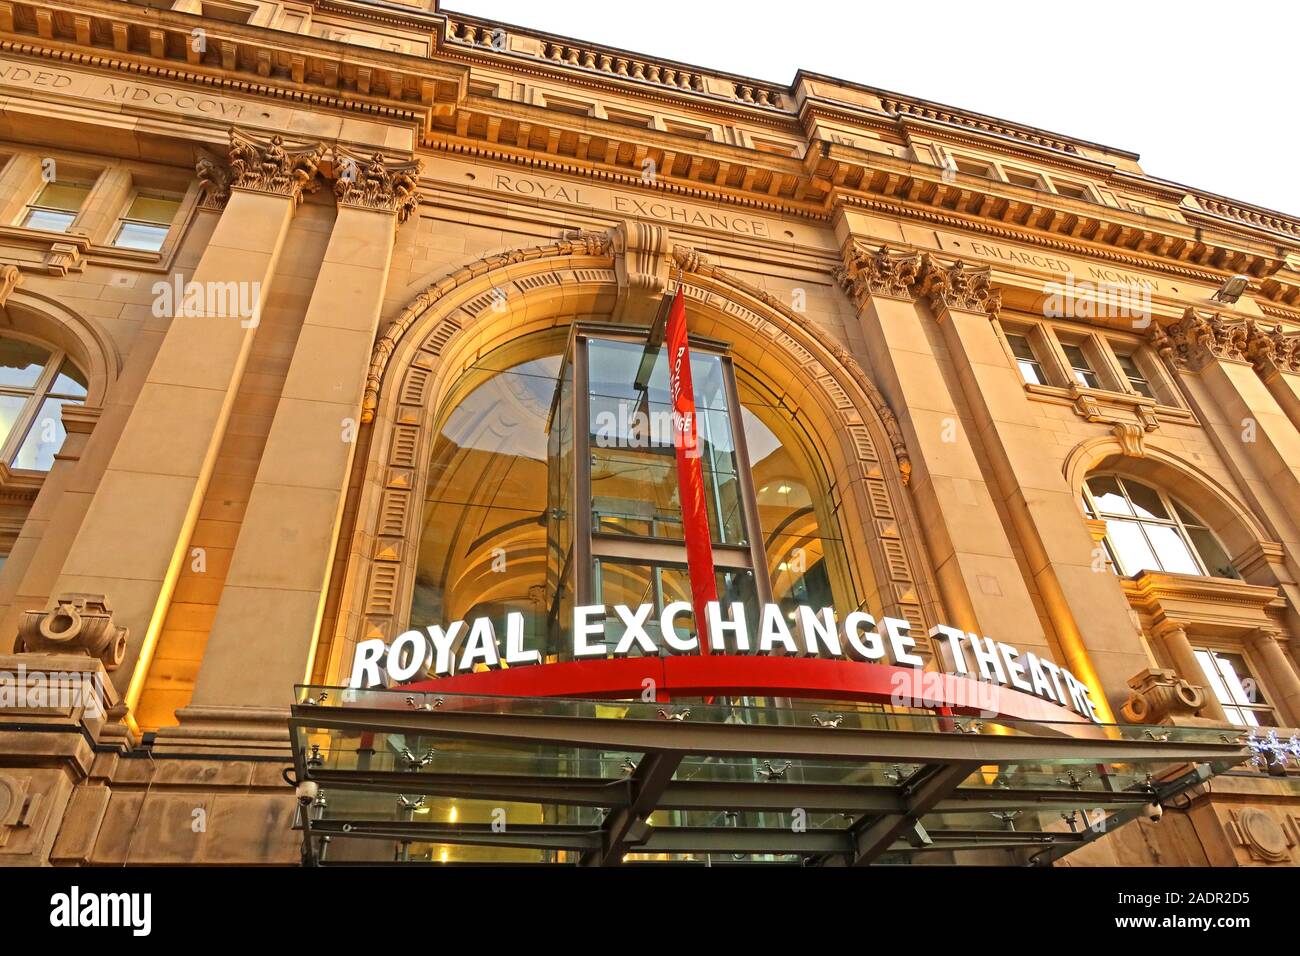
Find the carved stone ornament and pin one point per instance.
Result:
(1271, 350)
(76, 624)
(214, 182)
(1159, 694)
(268, 165)
(955, 285)
(10, 276)
(377, 183)
(1195, 339)
(881, 272)
(1262, 836)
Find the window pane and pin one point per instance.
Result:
(21, 363)
(1187, 516)
(1146, 501)
(138, 235)
(1236, 677)
(1130, 547)
(69, 383)
(151, 209)
(1083, 372)
(1171, 549)
(49, 221)
(11, 407)
(1213, 678)
(1134, 375)
(65, 196)
(44, 438)
(1027, 362)
(1215, 559)
(1106, 493)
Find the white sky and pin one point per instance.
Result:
(1204, 93)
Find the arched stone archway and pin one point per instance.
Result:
(499, 298)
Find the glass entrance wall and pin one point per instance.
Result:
(553, 482)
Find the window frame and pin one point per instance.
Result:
(34, 205)
(124, 219)
(1262, 704)
(35, 398)
(1177, 523)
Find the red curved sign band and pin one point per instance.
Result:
(759, 676)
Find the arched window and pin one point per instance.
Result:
(536, 499)
(1147, 530)
(35, 384)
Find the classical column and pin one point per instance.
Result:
(1280, 673)
(1077, 591)
(1220, 362)
(1276, 357)
(980, 580)
(264, 635)
(1179, 648)
(138, 525)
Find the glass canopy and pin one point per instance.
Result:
(422, 777)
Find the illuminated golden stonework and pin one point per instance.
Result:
(318, 315)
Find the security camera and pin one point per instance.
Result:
(1153, 811)
(307, 791)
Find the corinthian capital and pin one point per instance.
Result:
(374, 182)
(1272, 350)
(883, 271)
(268, 165)
(951, 284)
(1196, 339)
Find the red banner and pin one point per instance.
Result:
(690, 476)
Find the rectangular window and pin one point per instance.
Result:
(1136, 380)
(56, 207)
(1080, 367)
(1031, 370)
(1236, 689)
(146, 222)
(973, 167)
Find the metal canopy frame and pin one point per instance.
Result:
(881, 822)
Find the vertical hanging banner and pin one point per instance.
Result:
(690, 475)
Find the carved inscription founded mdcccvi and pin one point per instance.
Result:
(118, 91)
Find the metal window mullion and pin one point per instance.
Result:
(36, 398)
(745, 482)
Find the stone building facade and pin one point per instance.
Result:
(256, 252)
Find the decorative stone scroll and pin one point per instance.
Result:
(77, 623)
(10, 277)
(884, 272)
(374, 182)
(268, 165)
(1159, 694)
(951, 284)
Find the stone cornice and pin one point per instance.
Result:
(1179, 600)
(432, 92)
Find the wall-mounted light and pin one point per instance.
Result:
(1232, 289)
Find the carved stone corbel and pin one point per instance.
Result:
(642, 262)
(1159, 694)
(884, 271)
(76, 623)
(1131, 437)
(268, 165)
(373, 182)
(10, 277)
(952, 284)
